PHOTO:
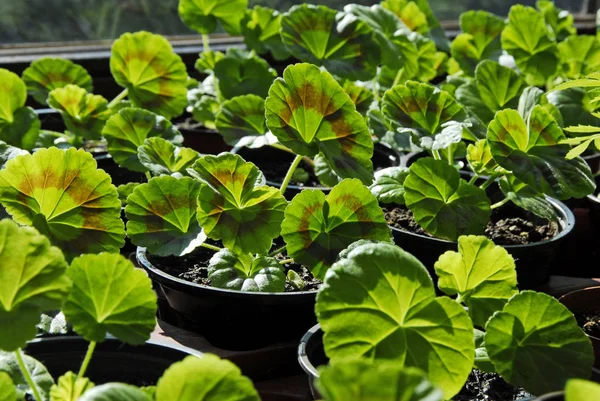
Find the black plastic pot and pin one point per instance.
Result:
(556, 396)
(113, 360)
(204, 140)
(383, 156)
(231, 319)
(534, 261)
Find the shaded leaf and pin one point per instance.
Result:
(204, 110)
(70, 387)
(389, 185)
(445, 205)
(232, 208)
(527, 198)
(533, 96)
(38, 372)
(245, 272)
(125, 190)
(161, 216)
(309, 112)
(361, 96)
(369, 307)
(260, 28)
(450, 135)
(128, 129)
(160, 156)
(241, 73)
(19, 125)
(338, 41)
(45, 74)
(204, 16)
(318, 227)
(327, 177)
(84, 113)
(8, 152)
(580, 55)
(242, 117)
(574, 105)
(207, 61)
(110, 295)
(115, 392)
(534, 342)
(32, 280)
(65, 197)
(153, 74)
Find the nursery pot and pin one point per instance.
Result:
(581, 301)
(231, 319)
(204, 140)
(534, 261)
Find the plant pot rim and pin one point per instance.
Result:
(565, 215)
(167, 279)
(568, 295)
(549, 396)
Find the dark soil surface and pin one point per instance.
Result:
(482, 386)
(502, 229)
(194, 268)
(590, 322)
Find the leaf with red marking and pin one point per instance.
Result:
(19, 125)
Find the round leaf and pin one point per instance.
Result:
(154, 76)
(341, 42)
(527, 198)
(480, 157)
(361, 96)
(45, 74)
(207, 61)
(533, 96)
(115, 392)
(204, 15)
(369, 306)
(577, 389)
(534, 342)
(309, 112)
(7, 388)
(38, 372)
(32, 280)
(84, 114)
(580, 56)
(419, 54)
(8, 152)
(442, 203)
(241, 73)
(242, 117)
(245, 272)
(318, 227)
(231, 208)
(260, 28)
(363, 380)
(499, 86)
(535, 156)
(574, 105)
(327, 177)
(160, 156)
(482, 274)
(110, 295)
(161, 216)
(389, 185)
(204, 110)
(19, 125)
(560, 21)
(208, 378)
(63, 195)
(70, 387)
(128, 129)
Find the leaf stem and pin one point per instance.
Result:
(148, 175)
(87, 359)
(473, 179)
(489, 181)
(436, 154)
(27, 375)
(498, 204)
(209, 246)
(398, 76)
(205, 42)
(118, 98)
(276, 251)
(450, 152)
(283, 262)
(375, 89)
(290, 173)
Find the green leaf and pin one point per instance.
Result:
(479, 41)
(445, 205)
(8, 152)
(361, 96)
(241, 73)
(421, 106)
(560, 21)
(205, 110)
(580, 55)
(32, 280)
(574, 105)
(369, 307)
(7, 388)
(409, 13)
(65, 197)
(450, 135)
(153, 74)
(232, 208)
(480, 157)
(128, 129)
(207, 61)
(389, 185)
(435, 30)
(527, 198)
(482, 360)
(327, 177)
(38, 372)
(295, 280)
(499, 86)
(125, 190)
(208, 378)
(534, 342)
(115, 392)
(318, 227)
(160, 156)
(482, 274)
(578, 389)
(527, 39)
(260, 28)
(70, 387)
(245, 272)
(45, 74)
(84, 113)
(533, 96)
(110, 295)
(309, 112)
(533, 153)
(420, 61)
(363, 380)
(341, 42)
(242, 117)
(161, 216)
(204, 16)
(19, 125)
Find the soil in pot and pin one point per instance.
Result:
(506, 227)
(590, 322)
(489, 387)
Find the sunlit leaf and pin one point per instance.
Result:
(309, 112)
(361, 96)
(241, 73)
(260, 28)
(434, 27)
(580, 55)
(578, 389)
(8, 152)
(70, 387)
(480, 157)
(38, 372)
(389, 185)
(19, 125)
(63, 195)
(32, 280)
(207, 61)
(531, 97)
(8, 391)
(115, 392)
(560, 21)
(204, 109)
(205, 16)
(245, 272)
(153, 74)
(160, 156)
